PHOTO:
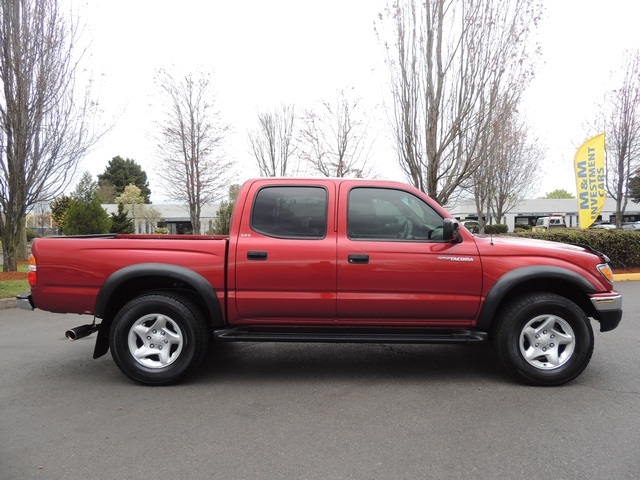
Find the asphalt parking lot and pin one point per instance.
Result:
(314, 411)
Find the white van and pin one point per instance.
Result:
(555, 220)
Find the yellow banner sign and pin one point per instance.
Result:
(590, 179)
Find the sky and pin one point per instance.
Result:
(264, 53)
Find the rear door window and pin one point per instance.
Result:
(290, 212)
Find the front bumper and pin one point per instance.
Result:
(608, 310)
(24, 301)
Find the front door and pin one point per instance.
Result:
(393, 265)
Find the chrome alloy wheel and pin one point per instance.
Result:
(547, 342)
(155, 341)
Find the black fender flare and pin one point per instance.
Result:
(520, 275)
(202, 287)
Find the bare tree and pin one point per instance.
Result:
(272, 142)
(516, 161)
(334, 138)
(151, 217)
(507, 171)
(193, 169)
(447, 58)
(44, 130)
(41, 216)
(622, 127)
(482, 185)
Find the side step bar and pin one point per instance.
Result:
(348, 335)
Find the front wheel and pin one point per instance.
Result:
(544, 339)
(156, 339)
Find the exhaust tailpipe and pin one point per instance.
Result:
(81, 331)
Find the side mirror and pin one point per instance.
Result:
(451, 231)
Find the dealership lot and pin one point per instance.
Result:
(314, 411)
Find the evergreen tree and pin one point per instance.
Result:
(634, 188)
(122, 172)
(86, 189)
(59, 208)
(85, 218)
(223, 218)
(120, 222)
(223, 215)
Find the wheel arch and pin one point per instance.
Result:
(539, 278)
(134, 280)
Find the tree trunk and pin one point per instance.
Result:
(22, 254)
(10, 241)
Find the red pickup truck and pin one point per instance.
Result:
(312, 260)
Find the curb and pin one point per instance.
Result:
(626, 277)
(7, 303)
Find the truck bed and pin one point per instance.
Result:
(76, 267)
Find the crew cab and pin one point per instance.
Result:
(328, 260)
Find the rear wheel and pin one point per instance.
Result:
(544, 339)
(157, 339)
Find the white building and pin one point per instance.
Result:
(528, 211)
(174, 217)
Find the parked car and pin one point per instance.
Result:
(472, 225)
(603, 226)
(555, 220)
(634, 227)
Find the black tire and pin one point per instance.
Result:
(543, 339)
(157, 339)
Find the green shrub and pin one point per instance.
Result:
(86, 218)
(31, 235)
(622, 247)
(522, 226)
(496, 229)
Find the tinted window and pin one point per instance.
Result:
(290, 212)
(387, 214)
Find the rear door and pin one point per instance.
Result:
(285, 268)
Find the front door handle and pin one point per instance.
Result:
(359, 258)
(256, 255)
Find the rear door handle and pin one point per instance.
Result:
(359, 258)
(256, 255)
